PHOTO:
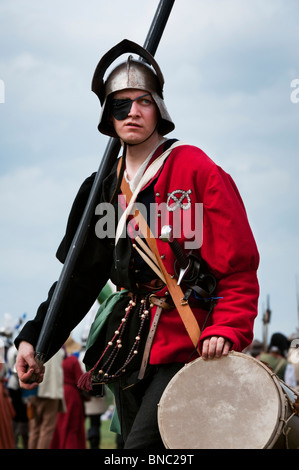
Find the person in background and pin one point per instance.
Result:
(276, 358)
(254, 349)
(293, 355)
(69, 432)
(46, 404)
(7, 411)
(20, 420)
(95, 407)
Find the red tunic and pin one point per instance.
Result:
(7, 412)
(188, 177)
(70, 426)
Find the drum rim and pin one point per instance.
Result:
(281, 412)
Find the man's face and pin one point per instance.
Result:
(134, 115)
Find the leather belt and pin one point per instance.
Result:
(162, 303)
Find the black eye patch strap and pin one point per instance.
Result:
(120, 108)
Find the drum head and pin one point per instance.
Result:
(228, 403)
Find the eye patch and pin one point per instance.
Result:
(120, 108)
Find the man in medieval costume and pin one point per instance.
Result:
(141, 337)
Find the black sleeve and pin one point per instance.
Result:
(75, 215)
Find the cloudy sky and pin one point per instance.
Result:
(229, 67)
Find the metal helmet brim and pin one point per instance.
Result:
(132, 74)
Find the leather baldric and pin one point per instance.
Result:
(175, 291)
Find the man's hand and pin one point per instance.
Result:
(29, 372)
(215, 346)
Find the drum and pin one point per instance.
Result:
(234, 402)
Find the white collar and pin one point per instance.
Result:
(138, 175)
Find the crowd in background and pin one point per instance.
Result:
(282, 359)
(56, 415)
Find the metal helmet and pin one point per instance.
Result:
(130, 74)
